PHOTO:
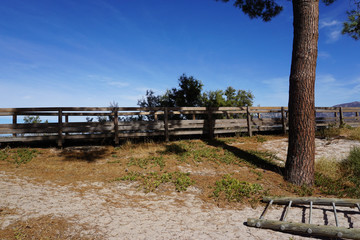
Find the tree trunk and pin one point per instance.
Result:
(299, 168)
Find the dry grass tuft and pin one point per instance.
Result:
(44, 227)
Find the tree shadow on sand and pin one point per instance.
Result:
(248, 157)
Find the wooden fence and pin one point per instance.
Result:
(130, 122)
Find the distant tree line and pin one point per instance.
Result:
(190, 94)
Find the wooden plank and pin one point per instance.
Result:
(210, 123)
(341, 116)
(88, 136)
(179, 122)
(316, 201)
(99, 128)
(304, 228)
(24, 131)
(166, 124)
(249, 121)
(14, 122)
(220, 131)
(141, 134)
(179, 133)
(60, 136)
(142, 128)
(283, 119)
(266, 108)
(28, 138)
(234, 121)
(229, 125)
(116, 126)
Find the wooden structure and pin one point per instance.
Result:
(131, 122)
(307, 228)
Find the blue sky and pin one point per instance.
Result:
(93, 52)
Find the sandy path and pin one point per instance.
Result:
(119, 211)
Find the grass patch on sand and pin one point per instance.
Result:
(339, 178)
(152, 180)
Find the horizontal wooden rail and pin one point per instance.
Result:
(129, 122)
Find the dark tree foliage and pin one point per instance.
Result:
(150, 100)
(187, 95)
(228, 98)
(352, 26)
(189, 92)
(264, 9)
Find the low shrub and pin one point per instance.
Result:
(235, 190)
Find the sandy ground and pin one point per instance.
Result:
(118, 210)
(111, 213)
(336, 149)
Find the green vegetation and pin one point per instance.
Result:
(340, 179)
(151, 181)
(189, 94)
(234, 190)
(144, 162)
(199, 151)
(18, 156)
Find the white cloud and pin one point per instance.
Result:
(330, 91)
(334, 35)
(327, 78)
(324, 23)
(323, 54)
(274, 92)
(332, 29)
(118, 84)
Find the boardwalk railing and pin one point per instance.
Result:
(131, 122)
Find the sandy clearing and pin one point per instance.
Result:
(336, 149)
(111, 212)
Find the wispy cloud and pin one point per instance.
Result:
(331, 91)
(275, 92)
(326, 23)
(332, 29)
(109, 81)
(324, 55)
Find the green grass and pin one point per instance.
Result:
(234, 190)
(145, 162)
(340, 179)
(18, 156)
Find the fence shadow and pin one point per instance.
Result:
(247, 156)
(85, 153)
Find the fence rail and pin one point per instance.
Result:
(131, 122)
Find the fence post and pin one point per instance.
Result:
(66, 121)
(166, 124)
(283, 119)
(341, 117)
(248, 121)
(116, 125)
(210, 123)
(14, 121)
(155, 116)
(60, 130)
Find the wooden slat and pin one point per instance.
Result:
(303, 228)
(314, 200)
(88, 136)
(28, 138)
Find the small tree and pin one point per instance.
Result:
(32, 119)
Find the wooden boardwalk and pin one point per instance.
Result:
(133, 122)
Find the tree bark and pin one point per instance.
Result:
(299, 168)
